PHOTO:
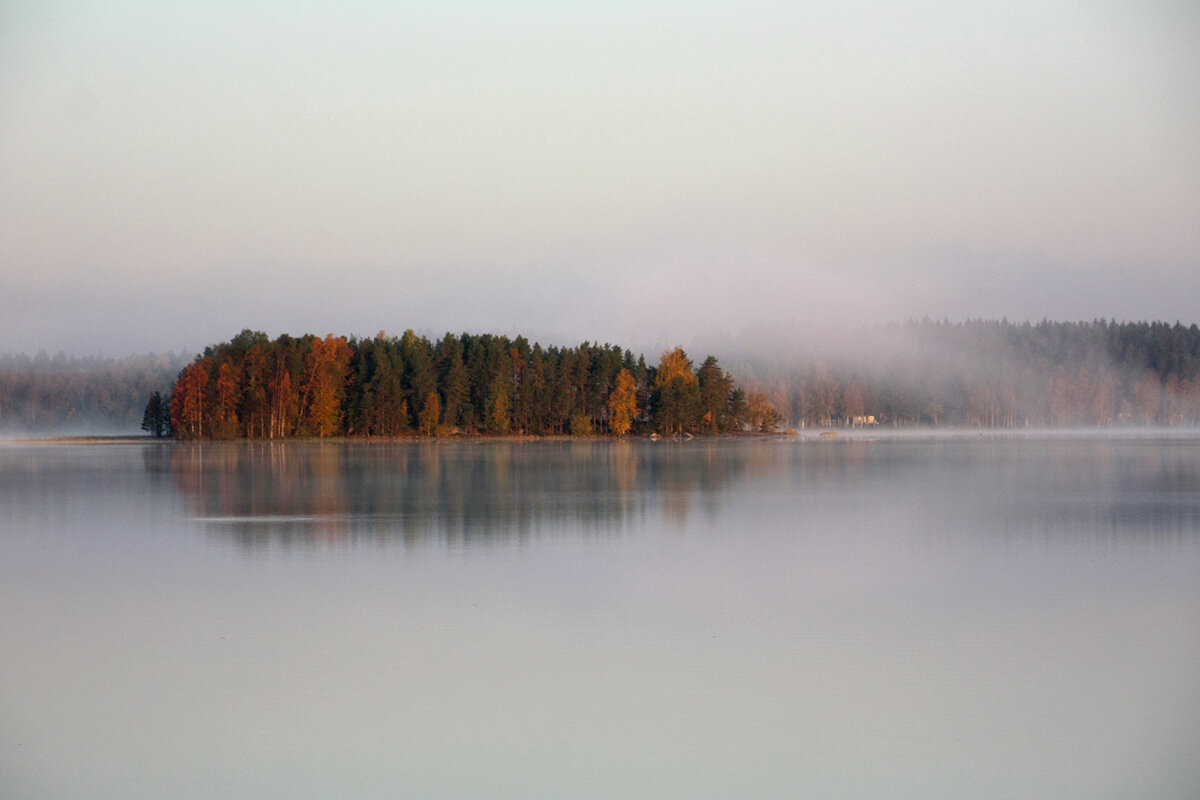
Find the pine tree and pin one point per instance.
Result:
(156, 420)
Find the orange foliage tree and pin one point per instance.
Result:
(623, 403)
(187, 402)
(325, 372)
(228, 396)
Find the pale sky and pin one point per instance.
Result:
(640, 172)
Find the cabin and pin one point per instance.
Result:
(866, 421)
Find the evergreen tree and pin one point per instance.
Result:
(452, 377)
(156, 419)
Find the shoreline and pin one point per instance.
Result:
(811, 435)
(76, 439)
(459, 437)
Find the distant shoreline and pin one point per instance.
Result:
(117, 439)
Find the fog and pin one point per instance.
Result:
(649, 176)
(82, 427)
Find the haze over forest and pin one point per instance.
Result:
(977, 374)
(652, 174)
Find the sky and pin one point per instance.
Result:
(643, 173)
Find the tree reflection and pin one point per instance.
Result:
(333, 493)
(466, 494)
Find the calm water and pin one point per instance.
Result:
(974, 617)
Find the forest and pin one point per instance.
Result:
(63, 394)
(977, 373)
(984, 373)
(258, 388)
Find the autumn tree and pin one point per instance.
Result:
(677, 391)
(623, 403)
(284, 405)
(188, 402)
(254, 411)
(760, 413)
(225, 424)
(325, 372)
(580, 424)
(431, 413)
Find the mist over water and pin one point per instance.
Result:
(977, 374)
(99, 426)
(474, 493)
(942, 616)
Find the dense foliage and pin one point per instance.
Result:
(46, 394)
(255, 387)
(987, 374)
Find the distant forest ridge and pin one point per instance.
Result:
(67, 394)
(973, 373)
(983, 373)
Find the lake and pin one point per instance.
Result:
(1000, 616)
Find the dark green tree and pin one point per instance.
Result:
(452, 376)
(716, 389)
(156, 419)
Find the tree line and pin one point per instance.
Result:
(44, 393)
(983, 373)
(260, 388)
(973, 373)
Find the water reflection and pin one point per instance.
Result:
(337, 492)
(334, 493)
(1096, 489)
(814, 619)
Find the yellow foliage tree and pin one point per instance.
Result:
(623, 403)
(674, 365)
(580, 424)
(760, 413)
(678, 393)
(431, 415)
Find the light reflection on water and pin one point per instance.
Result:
(1003, 617)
